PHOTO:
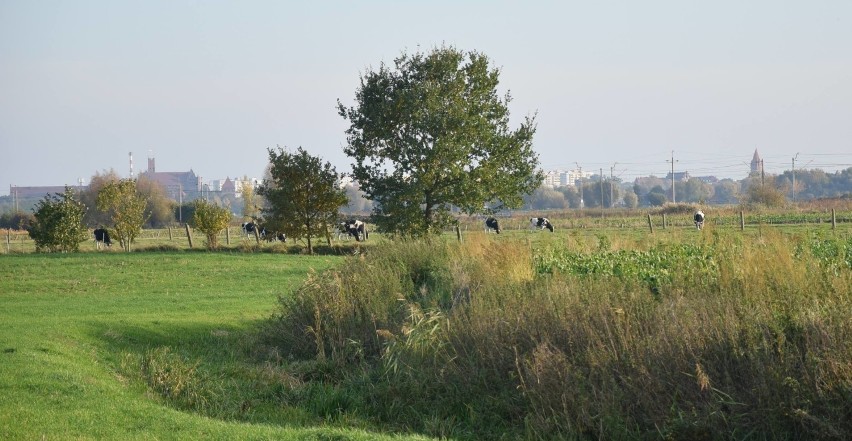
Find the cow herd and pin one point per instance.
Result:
(536, 223)
(358, 229)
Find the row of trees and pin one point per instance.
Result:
(58, 221)
(654, 191)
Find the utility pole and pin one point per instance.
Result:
(673, 179)
(580, 180)
(611, 197)
(602, 195)
(180, 204)
(794, 176)
(762, 175)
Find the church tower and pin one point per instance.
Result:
(756, 163)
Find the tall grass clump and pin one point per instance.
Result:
(729, 337)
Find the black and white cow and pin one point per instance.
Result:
(698, 219)
(102, 237)
(540, 223)
(354, 228)
(250, 228)
(491, 224)
(281, 237)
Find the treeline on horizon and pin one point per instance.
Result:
(774, 191)
(649, 191)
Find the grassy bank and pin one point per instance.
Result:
(117, 346)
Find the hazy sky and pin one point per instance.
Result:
(210, 85)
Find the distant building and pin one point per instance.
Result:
(707, 179)
(175, 182)
(551, 179)
(678, 176)
(756, 164)
(240, 184)
(559, 178)
(228, 186)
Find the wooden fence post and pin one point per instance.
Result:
(458, 233)
(188, 235)
(742, 221)
(227, 235)
(170, 233)
(664, 221)
(650, 223)
(8, 240)
(256, 237)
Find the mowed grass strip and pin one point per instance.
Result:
(73, 328)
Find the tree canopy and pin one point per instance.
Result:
(302, 195)
(430, 134)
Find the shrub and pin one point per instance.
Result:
(58, 224)
(210, 219)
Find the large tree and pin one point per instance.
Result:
(432, 133)
(302, 195)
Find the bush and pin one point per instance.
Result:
(58, 224)
(210, 219)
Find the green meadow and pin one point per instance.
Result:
(77, 334)
(601, 330)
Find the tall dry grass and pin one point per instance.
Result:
(469, 341)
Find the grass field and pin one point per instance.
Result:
(170, 343)
(75, 329)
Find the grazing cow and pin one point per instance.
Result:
(249, 228)
(354, 228)
(281, 237)
(698, 219)
(342, 231)
(541, 223)
(492, 224)
(102, 237)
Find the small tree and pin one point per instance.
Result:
(251, 202)
(58, 224)
(89, 197)
(631, 200)
(159, 208)
(302, 195)
(210, 219)
(764, 193)
(657, 196)
(126, 208)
